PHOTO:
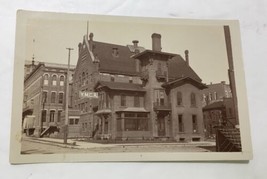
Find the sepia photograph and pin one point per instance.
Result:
(110, 88)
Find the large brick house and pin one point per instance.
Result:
(142, 94)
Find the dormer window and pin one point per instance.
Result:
(115, 52)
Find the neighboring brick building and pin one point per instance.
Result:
(218, 114)
(143, 94)
(215, 92)
(44, 95)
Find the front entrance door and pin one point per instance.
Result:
(161, 126)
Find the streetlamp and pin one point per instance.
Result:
(67, 101)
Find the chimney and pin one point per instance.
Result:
(156, 42)
(91, 38)
(186, 52)
(33, 60)
(80, 47)
(135, 43)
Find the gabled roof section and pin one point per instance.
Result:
(120, 86)
(182, 81)
(120, 64)
(179, 69)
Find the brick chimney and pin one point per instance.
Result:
(186, 52)
(156, 42)
(135, 43)
(91, 38)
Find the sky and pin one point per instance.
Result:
(48, 39)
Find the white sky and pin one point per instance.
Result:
(206, 44)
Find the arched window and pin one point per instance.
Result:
(61, 80)
(46, 79)
(193, 99)
(54, 80)
(179, 98)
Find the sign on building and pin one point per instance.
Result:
(86, 94)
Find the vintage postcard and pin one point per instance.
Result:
(107, 88)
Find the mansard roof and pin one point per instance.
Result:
(124, 63)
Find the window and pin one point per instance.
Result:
(159, 67)
(73, 121)
(54, 80)
(59, 116)
(130, 79)
(179, 98)
(136, 122)
(215, 96)
(61, 80)
(193, 99)
(46, 79)
(44, 116)
(159, 97)
(44, 97)
(60, 98)
(53, 97)
(76, 121)
(107, 101)
(194, 123)
(180, 123)
(136, 101)
(123, 100)
(52, 116)
(112, 78)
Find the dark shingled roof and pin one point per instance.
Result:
(122, 64)
(178, 68)
(181, 81)
(215, 105)
(120, 86)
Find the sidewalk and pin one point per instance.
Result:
(89, 145)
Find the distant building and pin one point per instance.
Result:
(218, 114)
(44, 95)
(215, 92)
(143, 94)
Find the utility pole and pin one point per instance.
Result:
(231, 72)
(67, 101)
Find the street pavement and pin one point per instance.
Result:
(31, 145)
